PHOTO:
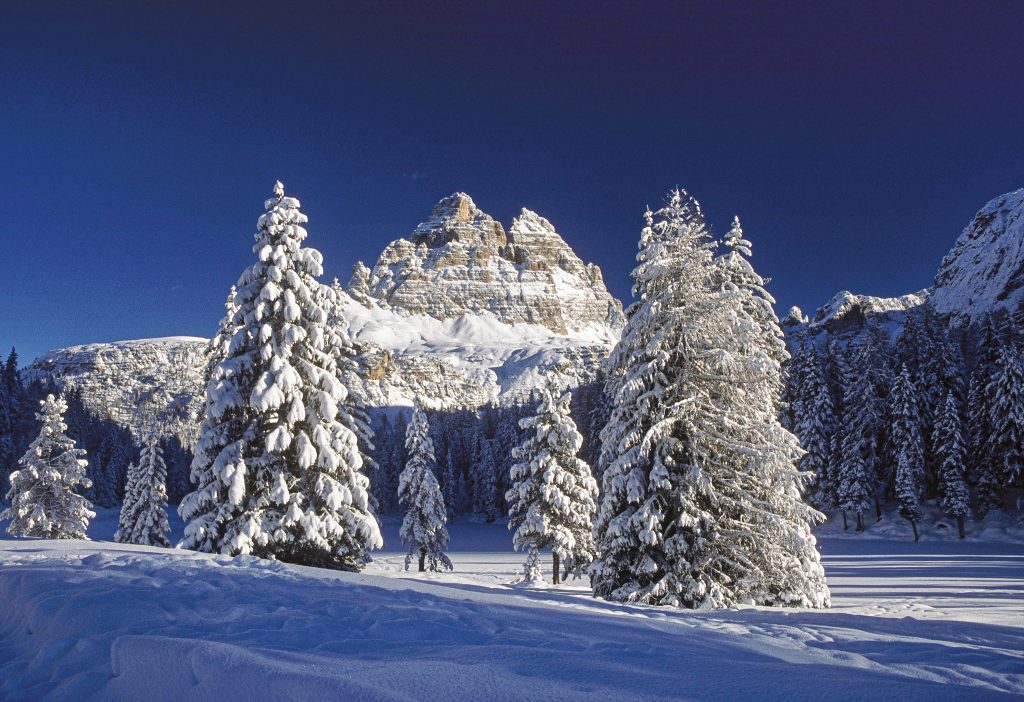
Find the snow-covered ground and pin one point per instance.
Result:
(938, 620)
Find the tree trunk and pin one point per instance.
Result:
(554, 568)
(878, 509)
(913, 525)
(846, 524)
(960, 526)
(423, 558)
(860, 521)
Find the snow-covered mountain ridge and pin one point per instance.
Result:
(459, 315)
(983, 272)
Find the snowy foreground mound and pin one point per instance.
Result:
(93, 620)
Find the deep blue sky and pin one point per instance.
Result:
(855, 140)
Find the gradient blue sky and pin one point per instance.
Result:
(855, 140)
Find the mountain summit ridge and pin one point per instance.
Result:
(462, 261)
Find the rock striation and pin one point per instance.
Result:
(461, 261)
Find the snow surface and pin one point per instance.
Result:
(92, 620)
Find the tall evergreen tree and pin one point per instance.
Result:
(353, 412)
(277, 467)
(553, 497)
(488, 480)
(950, 450)
(701, 503)
(815, 425)
(146, 523)
(423, 527)
(42, 494)
(859, 432)
(909, 448)
(11, 398)
(126, 518)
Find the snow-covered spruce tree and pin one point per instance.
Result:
(815, 425)
(487, 480)
(352, 412)
(788, 571)
(553, 498)
(147, 517)
(1006, 416)
(949, 448)
(858, 436)
(423, 527)
(449, 485)
(906, 435)
(219, 346)
(126, 519)
(754, 299)
(277, 471)
(795, 392)
(42, 493)
(701, 502)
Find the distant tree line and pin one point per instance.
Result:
(936, 413)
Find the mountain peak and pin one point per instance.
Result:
(461, 261)
(457, 218)
(985, 269)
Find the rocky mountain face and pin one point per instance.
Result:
(459, 314)
(145, 385)
(985, 269)
(983, 272)
(460, 261)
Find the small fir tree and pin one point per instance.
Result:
(42, 493)
(815, 425)
(126, 520)
(423, 527)
(148, 515)
(553, 498)
(949, 448)
(487, 480)
(906, 434)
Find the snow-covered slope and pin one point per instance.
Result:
(940, 623)
(985, 269)
(459, 315)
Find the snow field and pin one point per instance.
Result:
(94, 620)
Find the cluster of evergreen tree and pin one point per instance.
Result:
(473, 457)
(107, 451)
(936, 413)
